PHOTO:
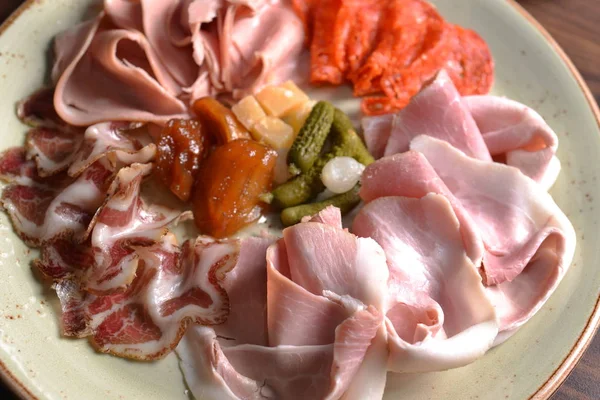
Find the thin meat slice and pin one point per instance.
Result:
(99, 71)
(208, 372)
(376, 131)
(56, 150)
(525, 234)
(470, 64)
(117, 142)
(285, 372)
(363, 33)
(295, 315)
(42, 211)
(37, 110)
(437, 299)
(263, 56)
(437, 111)
(329, 36)
(155, 19)
(401, 32)
(518, 135)
(172, 289)
(246, 286)
(401, 82)
(52, 149)
(409, 174)
(124, 223)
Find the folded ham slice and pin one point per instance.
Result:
(438, 315)
(439, 112)
(518, 134)
(147, 60)
(527, 241)
(479, 126)
(320, 324)
(104, 74)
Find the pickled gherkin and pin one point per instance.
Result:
(307, 147)
(345, 202)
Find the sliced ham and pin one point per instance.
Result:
(320, 331)
(437, 111)
(523, 237)
(520, 224)
(479, 126)
(148, 60)
(106, 74)
(518, 134)
(172, 289)
(437, 301)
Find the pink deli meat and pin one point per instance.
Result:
(527, 240)
(479, 126)
(149, 60)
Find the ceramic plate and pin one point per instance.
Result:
(38, 363)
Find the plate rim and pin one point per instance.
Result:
(586, 336)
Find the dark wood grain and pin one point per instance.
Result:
(575, 24)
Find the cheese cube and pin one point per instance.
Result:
(274, 132)
(248, 111)
(297, 116)
(278, 100)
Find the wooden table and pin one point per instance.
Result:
(575, 24)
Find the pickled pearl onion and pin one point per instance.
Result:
(341, 174)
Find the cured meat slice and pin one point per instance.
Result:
(401, 82)
(330, 33)
(470, 64)
(171, 290)
(53, 150)
(246, 286)
(37, 110)
(437, 111)
(156, 19)
(123, 225)
(411, 175)
(116, 142)
(99, 71)
(258, 57)
(363, 32)
(60, 207)
(56, 150)
(529, 241)
(518, 135)
(402, 30)
(437, 299)
(376, 131)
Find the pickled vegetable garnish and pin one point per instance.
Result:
(306, 186)
(309, 143)
(181, 148)
(345, 202)
(219, 121)
(229, 187)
